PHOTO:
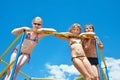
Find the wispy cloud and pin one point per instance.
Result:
(64, 71)
(113, 68)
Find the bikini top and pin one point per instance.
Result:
(35, 38)
(74, 40)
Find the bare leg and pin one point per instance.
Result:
(13, 57)
(81, 68)
(21, 61)
(89, 68)
(95, 69)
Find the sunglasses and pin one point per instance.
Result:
(37, 24)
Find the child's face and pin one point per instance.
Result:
(37, 25)
(89, 29)
(76, 30)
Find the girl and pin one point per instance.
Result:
(77, 53)
(31, 40)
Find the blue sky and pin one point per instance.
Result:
(51, 57)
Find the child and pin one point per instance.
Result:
(31, 40)
(89, 46)
(77, 53)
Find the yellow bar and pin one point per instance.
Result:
(43, 79)
(6, 68)
(80, 78)
(105, 66)
(19, 71)
(104, 76)
(24, 74)
(6, 51)
(102, 58)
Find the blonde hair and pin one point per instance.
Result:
(38, 19)
(75, 25)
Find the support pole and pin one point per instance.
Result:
(22, 73)
(106, 70)
(6, 51)
(17, 56)
(99, 61)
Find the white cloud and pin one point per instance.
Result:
(64, 71)
(113, 68)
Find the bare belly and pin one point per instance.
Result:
(77, 50)
(28, 46)
(91, 52)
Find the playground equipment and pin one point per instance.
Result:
(103, 70)
(4, 71)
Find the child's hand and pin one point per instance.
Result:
(26, 28)
(96, 37)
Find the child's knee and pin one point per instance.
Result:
(96, 77)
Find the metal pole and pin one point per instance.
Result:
(17, 56)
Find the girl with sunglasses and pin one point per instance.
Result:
(32, 38)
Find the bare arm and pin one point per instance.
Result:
(100, 45)
(19, 30)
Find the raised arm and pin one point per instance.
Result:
(19, 30)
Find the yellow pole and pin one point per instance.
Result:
(19, 71)
(103, 58)
(80, 78)
(43, 79)
(5, 52)
(24, 74)
(6, 68)
(104, 76)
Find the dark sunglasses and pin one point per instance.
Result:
(37, 24)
